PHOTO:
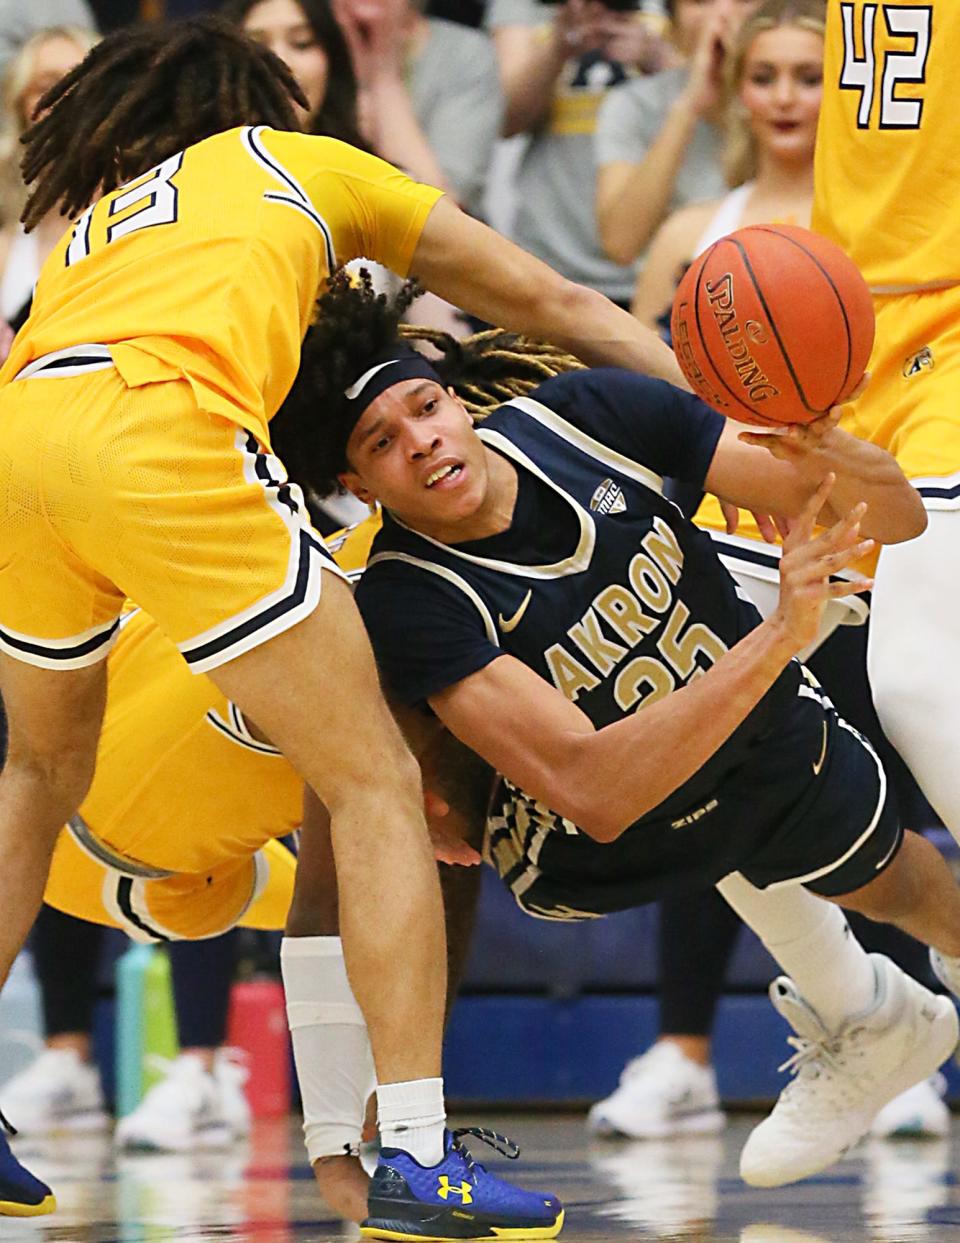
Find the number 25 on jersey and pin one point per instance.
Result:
(892, 42)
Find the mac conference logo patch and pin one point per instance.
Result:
(916, 363)
(608, 498)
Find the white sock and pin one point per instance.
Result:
(813, 943)
(331, 1047)
(412, 1117)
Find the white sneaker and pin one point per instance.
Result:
(661, 1093)
(918, 1113)
(180, 1113)
(58, 1091)
(843, 1078)
(231, 1073)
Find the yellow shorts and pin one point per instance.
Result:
(912, 406)
(108, 491)
(253, 891)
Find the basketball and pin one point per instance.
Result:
(773, 324)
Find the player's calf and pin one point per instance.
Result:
(917, 892)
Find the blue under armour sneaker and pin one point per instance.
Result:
(457, 1199)
(21, 1195)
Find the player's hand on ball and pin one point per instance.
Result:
(808, 562)
(798, 441)
(343, 1185)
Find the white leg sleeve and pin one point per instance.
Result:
(813, 943)
(914, 658)
(331, 1047)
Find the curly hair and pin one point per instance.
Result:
(354, 324)
(141, 95)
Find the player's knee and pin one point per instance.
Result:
(57, 778)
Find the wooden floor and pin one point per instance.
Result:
(897, 1192)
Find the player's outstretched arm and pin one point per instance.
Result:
(777, 472)
(603, 780)
(473, 267)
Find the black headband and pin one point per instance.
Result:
(389, 367)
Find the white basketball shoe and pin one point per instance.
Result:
(180, 1113)
(661, 1093)
(843, 1078)
(58, 1091)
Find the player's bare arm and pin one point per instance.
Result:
(777, 472)
(511, 288)
(604, 780)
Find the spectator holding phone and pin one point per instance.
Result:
(558, 62)
(658, 140)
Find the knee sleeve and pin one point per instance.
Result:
(331, 1048)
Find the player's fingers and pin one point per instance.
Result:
(763, 440)
(831, 561)
(767, 526)
(842, 532)
(731, 516)
(853, 587)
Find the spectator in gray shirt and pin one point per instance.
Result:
(21, 19)
(558, 62)
(430, 95)
(658, 141)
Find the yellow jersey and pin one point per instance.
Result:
(207, 268)
(887, 172)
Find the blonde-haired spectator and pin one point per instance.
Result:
(772, 91)
(20, 20)
(41, 62)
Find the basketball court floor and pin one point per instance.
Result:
(890, 1192)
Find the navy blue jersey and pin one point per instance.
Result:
(600, 584)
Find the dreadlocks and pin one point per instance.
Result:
(141, 95)
(354, 324)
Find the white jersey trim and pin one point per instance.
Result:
(77, 652)
(939, 491)
(298, 198)
(295, 598)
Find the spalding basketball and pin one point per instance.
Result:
(773, 324)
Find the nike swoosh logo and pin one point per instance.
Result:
(507, 624)
(823, 753)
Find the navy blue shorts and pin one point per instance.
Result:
(811, 805)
